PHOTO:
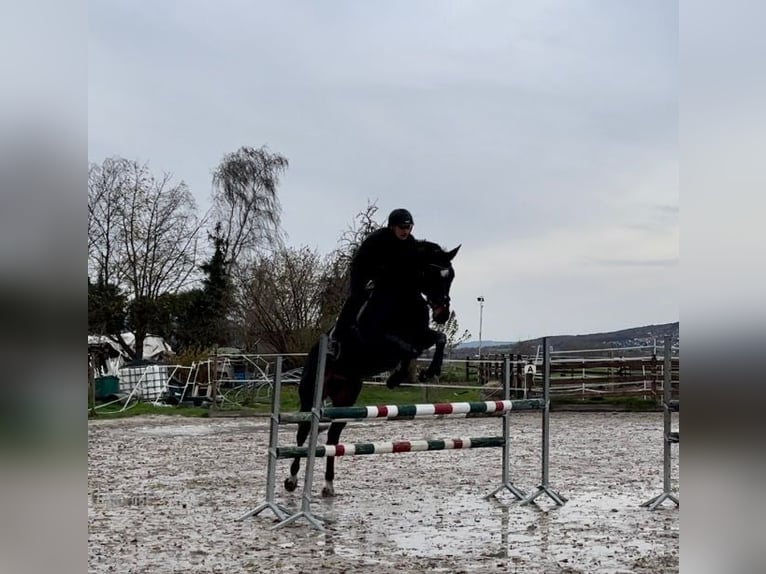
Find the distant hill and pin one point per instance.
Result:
(484, 344)
(632, 337)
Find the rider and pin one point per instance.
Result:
(385, 253)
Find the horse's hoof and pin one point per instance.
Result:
(328, 491)
(291, 484)
(393, 381)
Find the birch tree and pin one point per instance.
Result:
(245, 202)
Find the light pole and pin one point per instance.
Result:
(481, 316)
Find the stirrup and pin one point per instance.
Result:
(333, 349)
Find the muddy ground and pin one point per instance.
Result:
(165, 494)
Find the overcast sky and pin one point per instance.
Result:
(542, 136)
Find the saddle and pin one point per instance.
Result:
(369, 325)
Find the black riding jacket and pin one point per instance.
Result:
(383, 259)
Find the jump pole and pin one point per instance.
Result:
(395, 447)
(407, 412)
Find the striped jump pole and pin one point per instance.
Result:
(545, 487)
(669, 437)
(406, 412)
(280, 511)
(390, 447)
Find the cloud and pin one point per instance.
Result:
(541, 135)
(672, 262)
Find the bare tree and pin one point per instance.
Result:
(279, 303)
(363, 224)
(143, 234)
(245, 201)
(335, 280)
(160, 233)
(105, 200)
(451, 329)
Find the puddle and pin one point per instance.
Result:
(117, 500)
(106, 500)
(467, 525)
(203, 429)
(185, 430)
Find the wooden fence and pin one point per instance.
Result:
(579, 377)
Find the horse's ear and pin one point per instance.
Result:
(451, 254)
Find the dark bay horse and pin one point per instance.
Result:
(393, 330)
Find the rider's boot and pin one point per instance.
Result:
(333, 344)
(346, 326)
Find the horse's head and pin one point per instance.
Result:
(436, 278)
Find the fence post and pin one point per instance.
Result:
(91, 387)
(214, 382)
(529, 383)
(505, 368)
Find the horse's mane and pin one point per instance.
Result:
(427, 248)
(429, 245)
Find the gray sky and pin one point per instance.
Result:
(542, 136)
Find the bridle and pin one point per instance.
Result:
(439, 308)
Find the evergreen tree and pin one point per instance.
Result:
(216, 296)
(106, 308)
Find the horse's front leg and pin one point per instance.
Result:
(333, 436)
(291, 482)
(434, 369)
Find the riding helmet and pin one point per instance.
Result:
(400, 217)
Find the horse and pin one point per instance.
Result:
(392, 331)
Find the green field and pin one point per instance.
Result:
(371, 395)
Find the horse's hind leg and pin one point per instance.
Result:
(333, 436)
(291, 482)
